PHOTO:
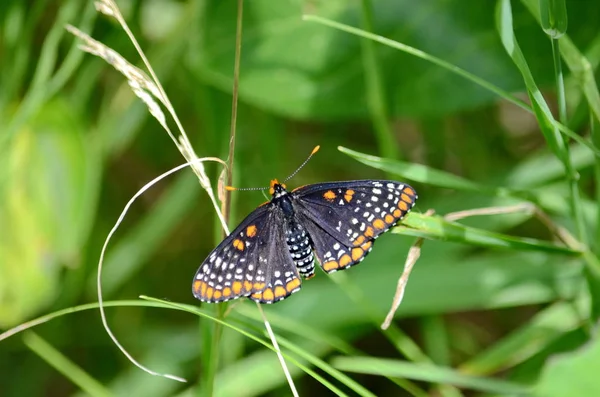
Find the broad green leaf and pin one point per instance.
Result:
(48, 194)
(572, 374)
(443, 280)
(321, 68)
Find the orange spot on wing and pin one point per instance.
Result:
(280, 291)
(403, 206)
(410, 191)
(389, 219)
(397, 213)
(359, 240)
(209, 292)
(369, 232)
(348, 195)
(357, 253)
(217, 294)
(247, 286)
(257, 295)
(366, 245)
(268, 294)
(345, 260)
(405, 197)
(329, 195)
(258, 286)
(292, 285)
(237, 287)
(378, 223)
(197, 286)
(226, 292)
(238, 244)
(331, 265)
(251, 231)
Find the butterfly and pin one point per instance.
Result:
(335, 223)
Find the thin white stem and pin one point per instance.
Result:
(101, 261)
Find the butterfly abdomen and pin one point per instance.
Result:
(298, 243)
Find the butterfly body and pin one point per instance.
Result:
(277, 244)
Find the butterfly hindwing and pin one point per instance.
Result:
(343, 218)
(251, 262)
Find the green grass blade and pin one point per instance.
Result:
(436, 227)
(541, 109)
(446, 65)
(139, 244)
(545, 328)
(375, 91)
(65, 366)
(318, 363)
(420, 54)
(420, 173)
(578, 64)
(426, 373)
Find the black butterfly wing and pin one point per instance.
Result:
(343, 218)
(252, 261)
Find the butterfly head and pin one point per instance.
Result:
(277, 189)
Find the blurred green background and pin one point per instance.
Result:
(490, 318)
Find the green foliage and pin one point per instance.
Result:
(428, 92)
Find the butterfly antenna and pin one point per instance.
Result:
(315, 150)
(231, 188)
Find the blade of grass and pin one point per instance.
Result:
(594, 126)
(65, 366)
(423, 174)
(427, 373)
(44, 84)
(542, 112)
(265, 343)
(134, 249)
(376, 98)
(534, 336)
(436, 227)
(318, 363)
(446, 65)
(578, 64)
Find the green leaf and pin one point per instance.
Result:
(572, 374)
(323, 75)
